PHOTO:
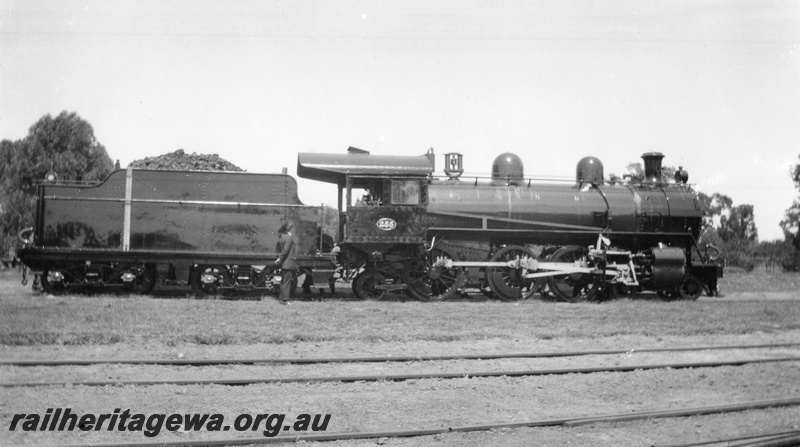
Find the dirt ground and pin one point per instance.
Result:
(424, 403)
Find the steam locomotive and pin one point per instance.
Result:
(512, 236)
(400, 229)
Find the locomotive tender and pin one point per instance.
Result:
(400, 228)
(213, 230)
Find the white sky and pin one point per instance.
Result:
(713, 85)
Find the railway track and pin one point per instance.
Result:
(785, 438)
(575, 420)
(404, 377)
(376, 359)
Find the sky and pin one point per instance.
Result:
(714, 85)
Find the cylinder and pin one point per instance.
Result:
(669, 267)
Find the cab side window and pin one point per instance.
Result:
(406, 192)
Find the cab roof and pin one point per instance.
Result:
(334, 168)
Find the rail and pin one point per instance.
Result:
(563, 422)
(405, 377)
(375, 359)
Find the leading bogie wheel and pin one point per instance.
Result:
(691, 288)
(668, 294)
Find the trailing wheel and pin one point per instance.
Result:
(573, 287)
(691, 288)
(509, 283)
(209, 280)
(364, 286)
(428, 281)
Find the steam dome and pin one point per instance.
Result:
(508, 167)
(589, 170)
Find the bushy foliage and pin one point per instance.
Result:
(791, 222)
(63, 146)
(733, 223)
(781, 253)
(737, 252)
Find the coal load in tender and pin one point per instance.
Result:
(181, 161)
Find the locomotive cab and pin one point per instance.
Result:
(382, 199)
(384, 210)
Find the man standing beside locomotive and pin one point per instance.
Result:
(287, 261)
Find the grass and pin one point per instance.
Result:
(760, 280)
(33, 319)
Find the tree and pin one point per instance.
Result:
(64, 146)
(739, 224)
(713, 208)
(791, 224)
(791, 219)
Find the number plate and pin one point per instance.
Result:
(386, 224)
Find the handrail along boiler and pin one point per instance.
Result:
(510, 235)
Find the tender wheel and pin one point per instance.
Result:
(266, 280)
(574, 287)
(428, 282)
(53, 282)
(509, 283)
(364, 285)
(145, 279)
(209, 279)
(691, 288)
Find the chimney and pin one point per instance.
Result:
(652, 167)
